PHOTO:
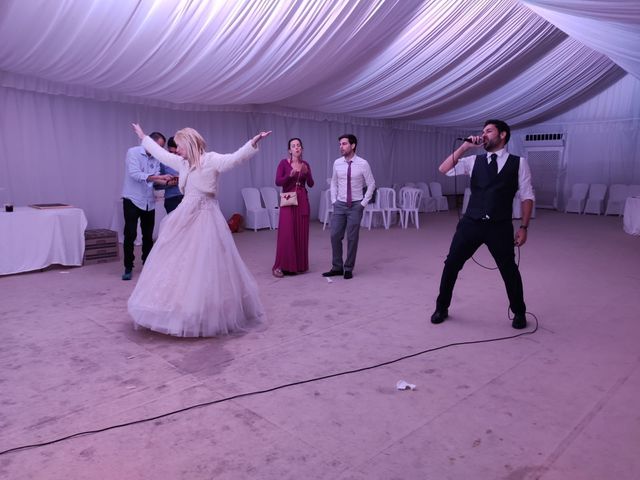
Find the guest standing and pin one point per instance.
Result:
(138, 201)
(292, 249)
(172, 194)
(350, 175)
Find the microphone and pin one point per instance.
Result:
(467, 140)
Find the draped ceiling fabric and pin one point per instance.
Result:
(405, 75)
(439, 62)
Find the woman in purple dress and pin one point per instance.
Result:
(292, 250)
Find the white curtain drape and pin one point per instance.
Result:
(437, 62)
(611, 27)
(407, 77)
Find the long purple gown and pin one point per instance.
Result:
(292, 250)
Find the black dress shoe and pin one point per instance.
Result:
(519, 321)
(439, 316)
(332, 273)
(348, 275)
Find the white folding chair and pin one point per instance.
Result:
(328, 208)
(387, 199)
(257, 216)
(618, 194)
(411, 198)
(370, 210)
(441, 201)
(595, 200)
(428, 203)
(270, 198)
(578, 198)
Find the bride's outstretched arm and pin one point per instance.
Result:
(224, 162)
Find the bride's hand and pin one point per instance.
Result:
(258, 137)
(138, 129)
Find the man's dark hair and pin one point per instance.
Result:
(502, 127)
(158, 135)
(171, 143)
(351, 138)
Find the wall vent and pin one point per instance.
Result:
(541, 137)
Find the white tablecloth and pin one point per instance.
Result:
(631, 221)
(31, 239)
(117, 220)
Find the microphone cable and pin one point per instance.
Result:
(272, 389)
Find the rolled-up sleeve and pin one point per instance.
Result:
(524, 181)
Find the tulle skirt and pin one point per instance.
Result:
(194, 282)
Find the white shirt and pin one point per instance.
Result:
(360, 176)
(465, 167)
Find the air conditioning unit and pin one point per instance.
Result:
(544, 140)
(545, 152)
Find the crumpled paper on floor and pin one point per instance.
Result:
(402, 385)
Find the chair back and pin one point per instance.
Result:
(425, 189)
(618, 192)
(411, 198)
(579, 191)
(269, 197)
(597, 191)
(436, 189)
(251, 197)
(386, 198)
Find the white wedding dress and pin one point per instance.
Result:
(194, 282)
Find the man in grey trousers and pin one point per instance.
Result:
(351, 174)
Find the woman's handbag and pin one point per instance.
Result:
(288, 199)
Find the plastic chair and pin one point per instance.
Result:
(328, 209)
(595, 201)
(271, 202)
(618, 194)
(428, 203)
(578, 198)
(441, 201)
(411, 198)
(387, 198)
(370, 210)
(257, 216)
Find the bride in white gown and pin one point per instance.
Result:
(194, 282)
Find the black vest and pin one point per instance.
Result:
(492, 199)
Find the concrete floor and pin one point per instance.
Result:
(558, 404)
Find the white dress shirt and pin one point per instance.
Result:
(360, 176)
(465, 167)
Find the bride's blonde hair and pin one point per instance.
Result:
(192, 143)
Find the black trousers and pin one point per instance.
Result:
(171, 203)
(498, 237)
(147, 222)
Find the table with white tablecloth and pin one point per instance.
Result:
(32, 239)
(631, 220)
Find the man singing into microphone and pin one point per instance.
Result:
(496, 176)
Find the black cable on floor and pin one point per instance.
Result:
(279, 387)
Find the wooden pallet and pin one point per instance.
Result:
(100, 246)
